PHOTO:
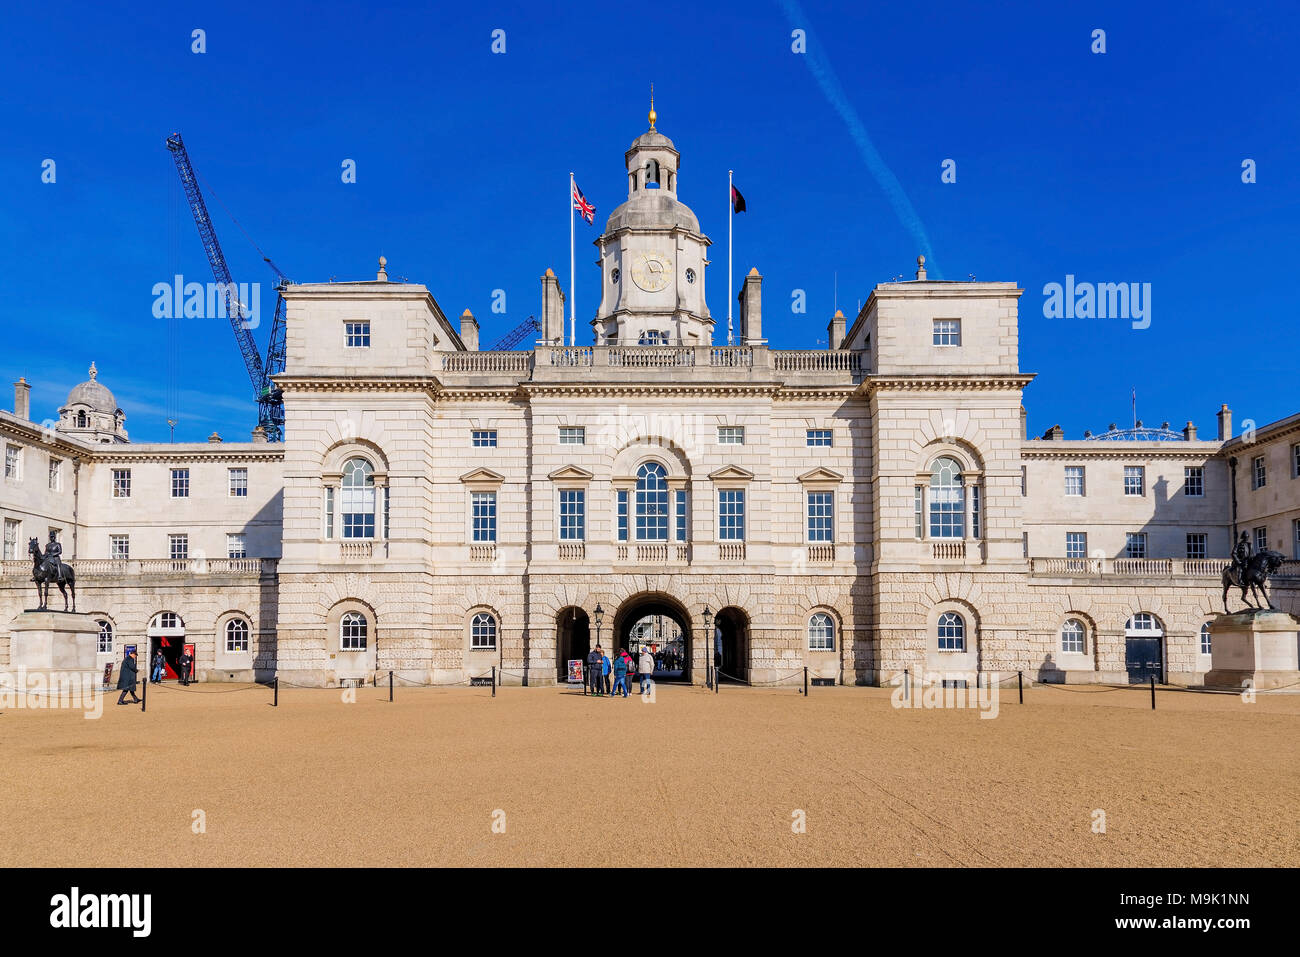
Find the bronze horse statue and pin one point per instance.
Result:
(1255, 577)
(61, 575)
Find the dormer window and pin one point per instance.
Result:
(81, 420)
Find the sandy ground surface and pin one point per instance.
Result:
(693, 778)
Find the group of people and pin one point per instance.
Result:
(128, 676)
(610, 678)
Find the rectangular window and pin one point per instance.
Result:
(11, 540)
(119, 547)
(1194, 481)
(1258, 472)
(947, 332)
(238, 483)
(1205, 640)
(1295, 537)
(236, 547)
(1261, 538)
(1024, 480)
(56, 474)
(573, 435)
(356, 334)
(622, 515)
(105, 638)
(178, 547)
(975, 511)
(731, 435)
(819, 438)
(681, 514)
(483, 438)
(1135, 545)
(329, 512)
(1076, 544)
(918, 511)
(121, 483)
(1196, 544)
(1135, 479)
(1295, 460)
(1074, 480)
(13, 463)
(731, 515)
(483, 516)
(573, 515)
(821, 516)
(180, 483)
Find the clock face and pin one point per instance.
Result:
(651, 271)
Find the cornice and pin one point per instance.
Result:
(331, 383)
(945, 383)
(678, 390)
(213, 452)
(1105, 449)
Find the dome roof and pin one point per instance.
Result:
(91, 393)
(652, 139)
(652, 207)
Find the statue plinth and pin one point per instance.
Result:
(1259, 645)
(53, 641)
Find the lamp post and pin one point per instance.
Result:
(596, 680)
(710, 677)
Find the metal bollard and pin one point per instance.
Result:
(907, 684)
(390, 687)
(275, 702)
(144, 695)
(805, 681)
(1020, 682)
(1153, 692)
(494, 681)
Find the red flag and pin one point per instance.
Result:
(737, 201)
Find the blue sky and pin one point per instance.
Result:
(1115, 167)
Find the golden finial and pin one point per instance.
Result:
(652, 106)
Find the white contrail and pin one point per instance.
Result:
(888, 182)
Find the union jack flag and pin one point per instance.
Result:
(585, 209)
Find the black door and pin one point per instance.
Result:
(1142, 660)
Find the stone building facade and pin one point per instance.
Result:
(439, 510)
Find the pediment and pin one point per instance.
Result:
(570, 473)
(731, 473)
(820, 474)
(483, 476)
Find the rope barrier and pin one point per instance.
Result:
(762, 684)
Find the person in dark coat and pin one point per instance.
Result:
(594, 681)
(126, 680)
(185, 661)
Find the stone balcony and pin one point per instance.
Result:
(1207, 568)
(149, 567)
(613, 364)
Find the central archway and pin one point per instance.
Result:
(572, 640)
(661, 623)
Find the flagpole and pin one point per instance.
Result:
(731, 214)
(573, 299)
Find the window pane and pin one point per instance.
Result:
(731, 515)
(821, 515)
(947, 500)
(651, 503)
(483, 515)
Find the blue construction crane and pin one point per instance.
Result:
(270, 401)
(511, 338)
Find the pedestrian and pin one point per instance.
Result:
(127, 678)
(620, 672)
(604, 671)
(185, 661)
(645, 667)
(592, 680)
(159, 662)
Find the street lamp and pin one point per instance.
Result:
(594, 681)
(708, 659)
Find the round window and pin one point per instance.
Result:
(690, 275)
(613, 275)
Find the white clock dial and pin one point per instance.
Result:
(652, 271)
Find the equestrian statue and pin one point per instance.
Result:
(47, 567)
(1250, 572)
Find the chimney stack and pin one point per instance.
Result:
(23, 399)
(1189, 432)
(835, 330)
(259, 435)
(552, 310)
(1054, 434)
(1225, 422)
(469, 330)
(751, 309)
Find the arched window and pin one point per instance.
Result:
(1072, 637)
(821, 632)
(105, 637)
(952, 632)
(947, 499)
(651, 503)
(358, 499)
(236, 635)
(167, 622)
(652, 174)
(1144, 624)
(483, 632)
(81, 420)
(1205, 638)
(352, 632)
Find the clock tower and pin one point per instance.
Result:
(652, 256)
